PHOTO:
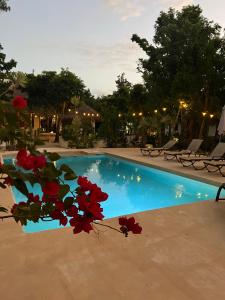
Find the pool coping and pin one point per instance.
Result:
(165, 169)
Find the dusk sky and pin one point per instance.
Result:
(90, 37)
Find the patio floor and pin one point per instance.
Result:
(180, 254)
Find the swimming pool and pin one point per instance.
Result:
(132, 187)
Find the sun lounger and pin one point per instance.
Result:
(214, 166)
(216, 154)
(157, 151)
(191, 149)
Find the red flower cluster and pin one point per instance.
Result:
(30, 162)
(19, 102)
(87, 210)
(33, 199)
(82, 212)
(89, 196)
(128, 224)
(51, 188)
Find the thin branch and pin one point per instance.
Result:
(6, 217)
(108, 226)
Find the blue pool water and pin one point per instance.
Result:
(131, 187)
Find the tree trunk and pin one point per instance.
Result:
(205, 110)
(58, 123)
(57, 128)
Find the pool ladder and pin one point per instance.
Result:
(222, 187)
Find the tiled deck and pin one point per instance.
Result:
(179, 256)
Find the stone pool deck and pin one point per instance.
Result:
(179, 256)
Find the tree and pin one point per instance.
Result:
(54, 91)
(5, 73)
(185, 61)
(4, 6)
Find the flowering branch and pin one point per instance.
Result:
(80, 208)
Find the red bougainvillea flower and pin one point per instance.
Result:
(59, 205)
(90, 208)
(84, 183)
(39, 162)
(81, 223)
(8, 180)
(58, 215)
(72, 211)
(19, 102)
(51, 188)
(32, 198)
(128, 224)
(22, 153)
(13, 209)
(97, 195)
(30, 162)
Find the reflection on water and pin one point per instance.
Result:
(132, 187)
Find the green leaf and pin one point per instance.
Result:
(65, 168)
(31, 178)
(68, 202)
(64, 189)
(53, 156)
(3, 209)
(70, 176)
(21, 186)
(50, 171)
(48, 208)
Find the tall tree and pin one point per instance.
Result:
(5, 73)
(54, 91)
(186, 60)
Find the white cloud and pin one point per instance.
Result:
(127, 8)
(121, 53)
(177, 4)
(135, 8)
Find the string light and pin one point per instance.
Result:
(140, 114)
(211, 116)
(69, 110)
(164, 109)
(76, 112)
(155, 111)
(204, 114)
(84, 114)
(119, 115)
(97, 115)
(183, 104)
(133, 114)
